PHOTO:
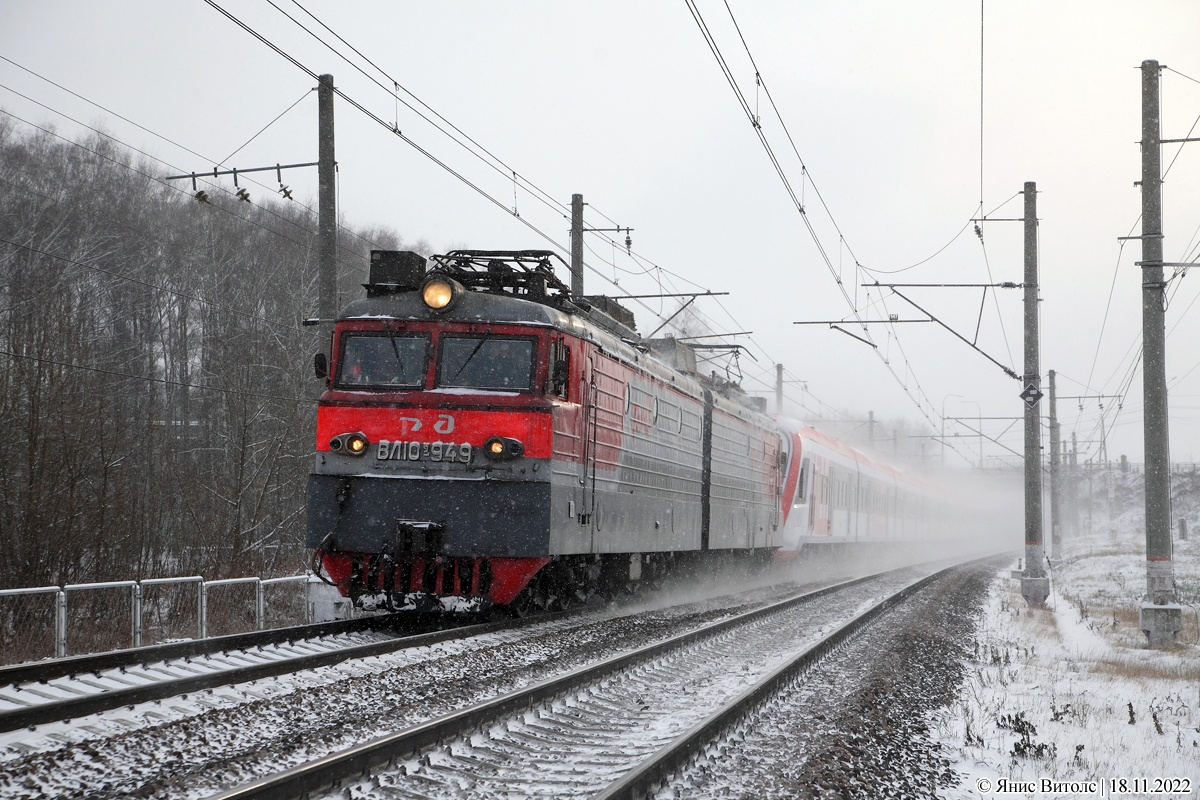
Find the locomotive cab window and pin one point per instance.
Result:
(382, 361)
(558, 377)
(504, 363)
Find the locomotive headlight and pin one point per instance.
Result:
(440, 292)
(503, 448)
(352, 444)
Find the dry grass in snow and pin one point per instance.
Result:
(1071, 692)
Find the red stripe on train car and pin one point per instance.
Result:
(793, 476)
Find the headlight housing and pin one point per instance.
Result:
(440, 292)
(350, 444)
(503, 448)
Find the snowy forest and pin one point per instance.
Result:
(156, 389)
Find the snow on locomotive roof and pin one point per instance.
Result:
(471, 307)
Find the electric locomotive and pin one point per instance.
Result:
(486, 438)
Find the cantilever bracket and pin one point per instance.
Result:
(852, 336)
(1007, 370)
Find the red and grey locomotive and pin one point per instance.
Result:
(485, 438)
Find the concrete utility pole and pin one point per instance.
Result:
(1073, 470)
(577, 245)
(1055, 476)
(779, 388)
(1159, 616)
(1035, 585)
(326, 211)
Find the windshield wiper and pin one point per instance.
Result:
(395, 347)
(486, 336)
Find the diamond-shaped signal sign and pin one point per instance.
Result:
(1031, 395)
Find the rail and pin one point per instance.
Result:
(198, 672)
(329, 773)
(336, 772)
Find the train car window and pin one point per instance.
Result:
(486, 362)
(802, 485)
(560, 370)
(382, 361)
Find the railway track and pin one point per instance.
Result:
(200, 744)
(62, 689)
(619, 726)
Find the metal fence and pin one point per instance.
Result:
(56, 621)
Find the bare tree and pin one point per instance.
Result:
(154, 379)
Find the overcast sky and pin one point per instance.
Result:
(625, 103)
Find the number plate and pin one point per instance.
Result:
(436, 452)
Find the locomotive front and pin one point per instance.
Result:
(432, 481)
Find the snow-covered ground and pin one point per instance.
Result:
(1071, 694)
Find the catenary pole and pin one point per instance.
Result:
(326, 211)
(1035, 585)
(779, 388)
(577, 245)
(1159, 615)
(1055, 475)
(1073, 482)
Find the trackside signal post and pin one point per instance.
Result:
(1160, 615)
(1035, 584)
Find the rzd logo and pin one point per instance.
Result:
(444, 424)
